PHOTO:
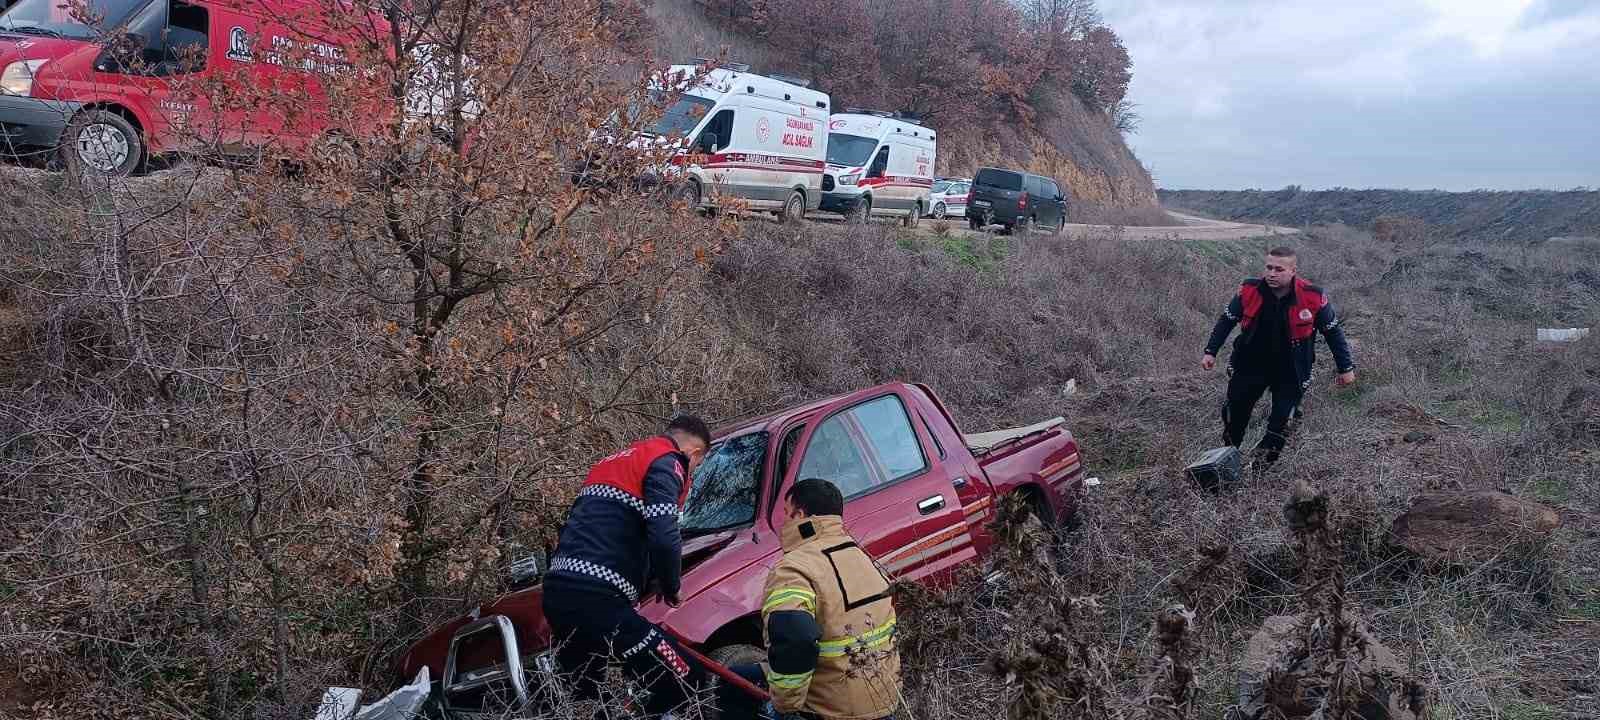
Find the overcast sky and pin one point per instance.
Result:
(1448, 94)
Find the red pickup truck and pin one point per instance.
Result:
(918, 496)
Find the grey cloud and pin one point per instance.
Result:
(1253, 94)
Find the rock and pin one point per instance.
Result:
(1471, 526)
(1416, 436)
(1300, 686)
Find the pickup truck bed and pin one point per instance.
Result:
(981, 443)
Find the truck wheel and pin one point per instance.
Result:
(914, 216)
(100, 142)
(335, 153)
(938, 211)
(974, 224)
(730, 655)
(863, 211)
(1024, 226)
(688, 193)
(794, 209)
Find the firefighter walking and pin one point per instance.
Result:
(1278, 315)
(621, 541)
(829, 620)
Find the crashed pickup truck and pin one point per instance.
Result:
(918, 492)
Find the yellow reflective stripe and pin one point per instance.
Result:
(784, 595)
(788, 682)
(873, 638)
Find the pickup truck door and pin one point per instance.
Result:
(972, 486)
(900, 503)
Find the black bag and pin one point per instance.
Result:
(1217, 467)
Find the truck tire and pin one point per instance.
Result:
(335, 153)
(688, 193)
(914, 216)
(974, 224)
(1024, 226)
(730, 655)
(862, 212)
(794, 209)
(101, 142)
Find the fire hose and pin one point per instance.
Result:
(719, 669)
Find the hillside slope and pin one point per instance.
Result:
(1528, 216)
(993, 103)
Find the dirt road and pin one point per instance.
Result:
(1193, 228)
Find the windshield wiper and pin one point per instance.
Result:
(34, 30)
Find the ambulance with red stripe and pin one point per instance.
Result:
(759, 140)
(879, 164)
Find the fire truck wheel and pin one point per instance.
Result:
(794, 209)
(335, 153)
(915, 216)
(101, 142)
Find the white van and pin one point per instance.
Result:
(878, 164)
(759, 139)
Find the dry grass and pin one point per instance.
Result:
(1453, 394)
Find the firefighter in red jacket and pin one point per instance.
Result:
(620, 542)
(1278, 315)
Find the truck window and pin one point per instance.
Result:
(722, 125)
(187, 39)
(892, 451)
(849, 150)
(726, 485)
(66, 19)
(889, 433)
(834, 455)
(880, 164)
(1003, 179)
(678, 119)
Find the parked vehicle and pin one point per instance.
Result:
(919, 495)
(739, 135)
(1016, 200)
(949, 197)
(879, 163)
(105, 94)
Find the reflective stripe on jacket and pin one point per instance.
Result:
(830, 627)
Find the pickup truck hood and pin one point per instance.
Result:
(704, 565)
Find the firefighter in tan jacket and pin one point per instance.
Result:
(829, 619)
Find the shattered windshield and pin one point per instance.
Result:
(726, 486)
(54, 18)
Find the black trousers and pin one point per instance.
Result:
(1244, 391)
(593, 626)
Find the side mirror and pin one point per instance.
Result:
(708, 142)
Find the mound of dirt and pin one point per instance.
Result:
(1472, 526)
(1266, 675)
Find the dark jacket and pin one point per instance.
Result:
(622, 531)
(1310, 311)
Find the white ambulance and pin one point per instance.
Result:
(879, 163)
(758, 139)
